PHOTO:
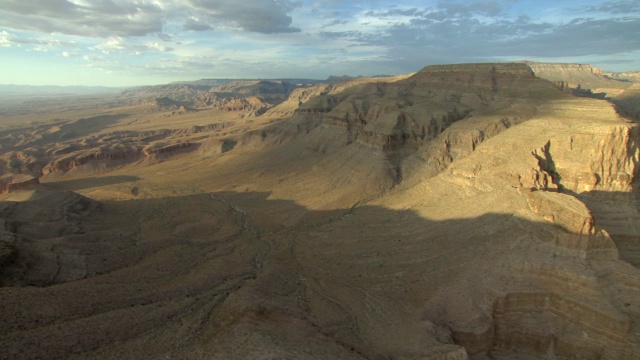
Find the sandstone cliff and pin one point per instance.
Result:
(584, 80)
(573, 74)
(581, 79)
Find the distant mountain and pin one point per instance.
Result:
(255, 96)
(629, 76)
(218, 82)
(11, 90)
(337, 79)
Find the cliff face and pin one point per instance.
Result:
(539, 67)
(14, 182)
(409, 120)
(584, 80)
(531, 265)
(577, 76)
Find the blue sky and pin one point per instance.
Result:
(138, 42)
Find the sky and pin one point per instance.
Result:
(145, 42)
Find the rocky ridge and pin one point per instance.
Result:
(411, 119)
(49, 148)
(256, 96)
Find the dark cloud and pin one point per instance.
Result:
(44, 7)
(126, 18)
(334, 23)
(98, 18)
(579, 38)
(262, 16)
(453, 35)
(165, 37)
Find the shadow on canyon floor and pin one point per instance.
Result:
(187, 267)
(81, 184)
(619, 214)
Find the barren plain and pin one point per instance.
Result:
(472, 211)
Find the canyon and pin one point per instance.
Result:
(468, 211)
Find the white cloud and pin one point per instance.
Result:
(121, 45)
(7, 40)
(261, 16)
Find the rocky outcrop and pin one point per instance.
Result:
(162, 149)
(35, 153)
(14, 182)
(106, 158)
(165, 103)
(99, 157)
(562, 210)
(248, 104)
(540, 67)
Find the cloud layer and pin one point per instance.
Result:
(313, 38)
(106, 18)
